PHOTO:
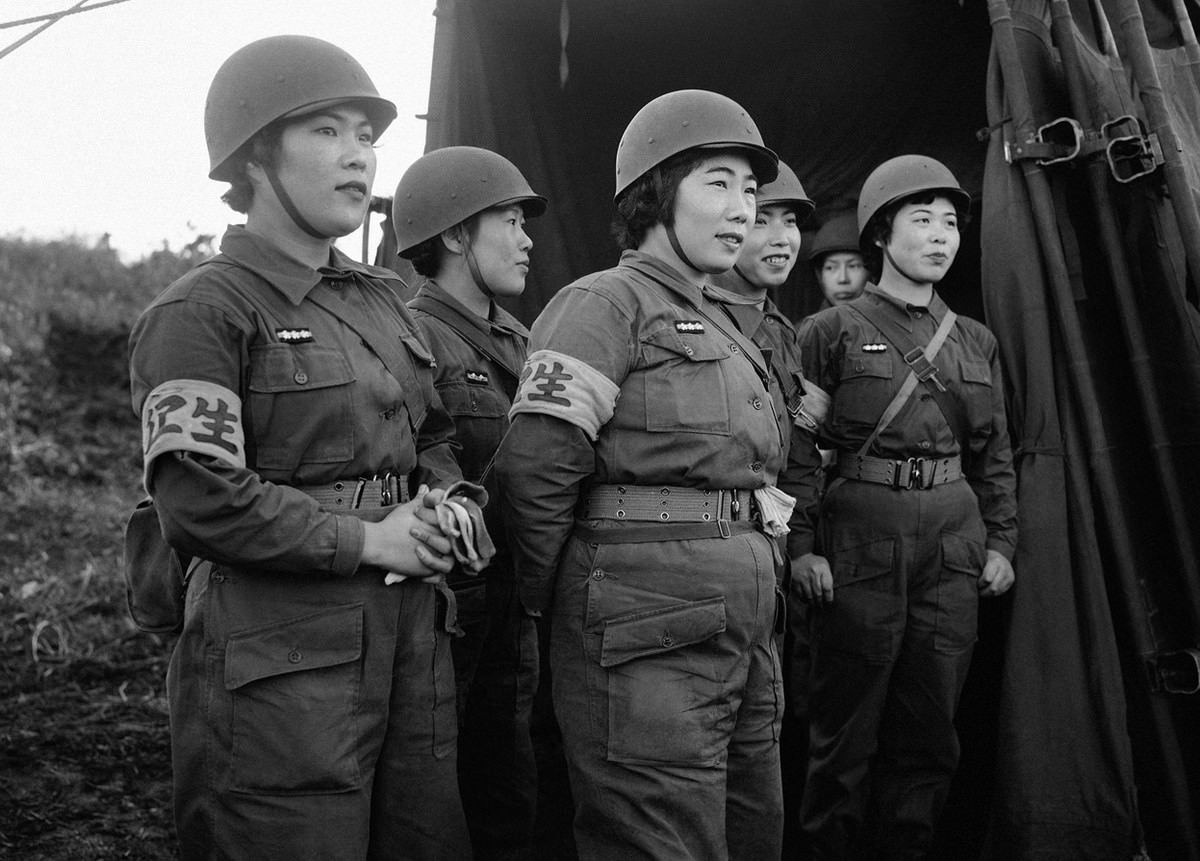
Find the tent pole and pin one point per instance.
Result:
(1187, 34)
(1145, 76)
(1113, 249)
(1165, 743)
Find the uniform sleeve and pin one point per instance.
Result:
(801, 479)
(217, 509)
(990, 470)
(541, 466)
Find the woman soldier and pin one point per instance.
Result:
(768, 256)
(837, 261)
(908, 545)
(638, 477)
(459, 216)
(288, 416)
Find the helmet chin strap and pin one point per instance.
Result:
(473, 266)
(898, 268)
(289, 206)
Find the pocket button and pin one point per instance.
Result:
(668, 641)
(294, 656)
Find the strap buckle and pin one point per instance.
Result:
(1131, 153)
(922, 367)
(916, 472)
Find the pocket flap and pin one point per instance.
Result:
(323, 639)
(975, 372)
(962, 554)
(866, 365)
(417, 347)
(692, 348)
(297, 368)
(641, 634)
(862, 562)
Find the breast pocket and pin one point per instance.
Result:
(977, 394)
(686, 387)
(864, 390)
(480, 418)
(300, 405)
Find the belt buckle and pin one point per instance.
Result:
(904, 479)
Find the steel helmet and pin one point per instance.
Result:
(276, 77)
(447, 186)
(904, 175)
(786, 188)
(679, 121)
(839, 233)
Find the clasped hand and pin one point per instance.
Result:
(409, 542)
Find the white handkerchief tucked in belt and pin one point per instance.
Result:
(775, 509)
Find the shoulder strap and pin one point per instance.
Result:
(468, 334)
(920, 361)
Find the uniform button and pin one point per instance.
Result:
(300, 377)
(294, 656)
(667, 641)
(733, 348)
(923, 445)
(474, 407)
(918, 315)
(688, 350)
(218, 578)
(598, 574)
(757, 402)
(756, 466)
(338, 486)
(860, 367)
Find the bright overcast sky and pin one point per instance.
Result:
(104, 109)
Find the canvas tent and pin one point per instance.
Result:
(1075, 746)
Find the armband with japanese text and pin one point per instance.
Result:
(195, 416)
(563, 386)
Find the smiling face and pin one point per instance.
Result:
(843, 276)
(326, 164)
(771, 246)
(923, 242)
(501, 249)
(713, 206)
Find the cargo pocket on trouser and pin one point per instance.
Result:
(958, 593)
(666, 702)
(294, 687)
(865, 613)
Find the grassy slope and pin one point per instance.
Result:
(84, 760)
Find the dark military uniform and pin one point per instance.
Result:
(496, 660)
(891, 652)
(645, 412)
(302, 689)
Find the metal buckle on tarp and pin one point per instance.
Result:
(1131, 153)
(1175, 672)
(1054, 142)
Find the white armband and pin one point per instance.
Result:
(563, 386)
(192, 415)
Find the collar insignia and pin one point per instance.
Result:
(294, 336)
(478, 378)
(874, 348)
(689, 327)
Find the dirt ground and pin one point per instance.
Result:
(85, 755)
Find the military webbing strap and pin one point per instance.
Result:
(454, 320)
(921, 371)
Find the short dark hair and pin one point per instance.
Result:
(427, 256)
(650, 199)
(879, 229)
(262, 149)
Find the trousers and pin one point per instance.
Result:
(889, 657)
(313, 717)
(668, 689)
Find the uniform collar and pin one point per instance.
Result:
(936, 308)
(285, 273)
(664, 274)
(501, 322)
